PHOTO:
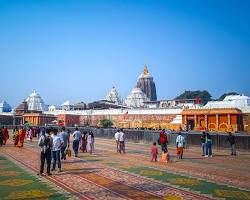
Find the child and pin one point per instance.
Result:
(165, 157)
(154, 152)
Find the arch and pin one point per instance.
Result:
(212, 127)
(223, 127)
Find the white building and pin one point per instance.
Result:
(36, 103)
(136, 98)
(241, 102)
(114, 97)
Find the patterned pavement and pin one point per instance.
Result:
(108, 175)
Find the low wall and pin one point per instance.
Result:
(219, 140)
(192, 138)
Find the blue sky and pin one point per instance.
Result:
(77, 50)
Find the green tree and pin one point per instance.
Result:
(204, 95)
(226, 94)
(105, 123)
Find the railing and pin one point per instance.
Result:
(219, 140)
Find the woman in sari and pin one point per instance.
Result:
(21, 137)
(5, 135)
(90, 142)
(84, 142)
(15, 136)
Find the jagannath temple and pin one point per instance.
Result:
(140, 109)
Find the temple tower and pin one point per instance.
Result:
(147, 85)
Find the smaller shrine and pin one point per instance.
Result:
(222, 120)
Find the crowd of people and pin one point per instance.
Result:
(206, 145)
(55, 145)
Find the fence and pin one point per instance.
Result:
(219, 140)
(192, 138)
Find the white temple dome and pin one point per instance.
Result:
(114, 96)
(136, 98)
(35, 102)
(5, 107)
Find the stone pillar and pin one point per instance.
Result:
(217, 122)
(206, 122)
(229, 119)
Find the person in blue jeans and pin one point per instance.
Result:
(208, 143)
(56, 150)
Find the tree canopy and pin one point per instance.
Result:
(105, 123)
(204, 95)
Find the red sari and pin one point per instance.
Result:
(5, 135)
(84, 143)
(21, 137)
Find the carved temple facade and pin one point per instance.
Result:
(221, 120)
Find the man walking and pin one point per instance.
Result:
(57, 144)
(121, 141)
(180, 143)
(77, 137)
(231, 140)
(65, 137)
(117, 140)
(46, 143)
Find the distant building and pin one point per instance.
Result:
(231, 101)
(5, 107)
(6, 118)
(136, 98)
(147, 85)
(38, 119)
(113, 96)
(180, 103)
(36, 103)
(217, 119)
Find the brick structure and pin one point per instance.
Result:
(155, 121)
(38, 119)
(68, 119)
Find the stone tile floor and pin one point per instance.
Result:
(109, 175)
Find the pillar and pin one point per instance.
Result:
(217, 122)
(229, 119)
(206, 124)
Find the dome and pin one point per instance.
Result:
(35, 102)
(5, 107)
(136, 98)
(52, 108)
(114, 96)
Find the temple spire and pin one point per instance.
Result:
(145, 71)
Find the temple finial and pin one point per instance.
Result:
(145, 71)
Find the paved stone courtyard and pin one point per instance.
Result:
(109, 175)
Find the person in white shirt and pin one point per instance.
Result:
(77, 137)
(56, 149)
(180, 143)
(121, 141)
(117, 140)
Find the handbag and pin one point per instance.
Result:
(68, 152)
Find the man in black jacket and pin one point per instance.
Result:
(231, 140)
